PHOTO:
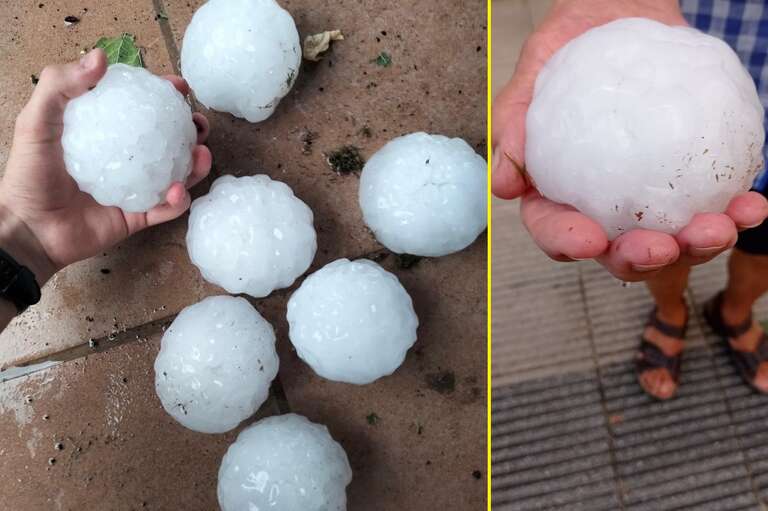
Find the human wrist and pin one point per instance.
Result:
(20, 242)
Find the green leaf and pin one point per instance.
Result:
(372, 418)
(383, 60)
(121, 50)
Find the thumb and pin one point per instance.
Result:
(41, 120)
(508, 177)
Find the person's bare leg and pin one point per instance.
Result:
(747, 281)
(667, 289)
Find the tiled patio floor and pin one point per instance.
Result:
(572, 430)
(120, 450)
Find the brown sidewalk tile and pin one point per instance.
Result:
(415, 439)
(91, 434)
(150, 276)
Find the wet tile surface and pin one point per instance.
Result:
(413, 436)
(427, 448)
(150, 275)
(118, 447)
(346, 99)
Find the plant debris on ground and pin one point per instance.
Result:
(346, 160)
(384, 59)
(317, 44)
(121, 50)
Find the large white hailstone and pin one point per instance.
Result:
(241, 56)
(251, 235)
(216, 362)
(352, 321)
(284, 463)
(641, 125)
(126, 140)
(425, 194)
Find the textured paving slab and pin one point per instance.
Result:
(119, 449)
(150, 276)
(427, 448)
(571, 427)
(424, 450)
(346, 99)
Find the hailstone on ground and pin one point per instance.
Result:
(241, 56)
(352, 321)
(425, 194)
(216, 362)
(284, 463)
(251, 235)
(642, 125)
(126, 140)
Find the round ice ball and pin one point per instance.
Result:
(284, 463)
(352, 321)
(241, 56)
(216, 362)
(425, 194)
(126, 140)
(251, 235)
(641, 125)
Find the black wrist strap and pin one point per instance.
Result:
(17, 283)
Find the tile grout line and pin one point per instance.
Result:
(729, 410)
(601, 390)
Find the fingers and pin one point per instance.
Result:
(706, 236)
(508, 179)
(201, 123)
(202, 126)
(560, 231)
(42, 117)
(639, 254)
(177, 201)
(201, 165)
(748, 210)
(180, 83)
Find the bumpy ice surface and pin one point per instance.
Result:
(126, 140)
(251, 235)
(642, 125)
(241, 56)
(425, 194)
(215, 365)
(352, 321)
(284, 463)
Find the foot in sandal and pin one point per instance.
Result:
(746, 341)
(659, 355)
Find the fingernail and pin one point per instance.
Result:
(706, 251)
(643, 268)
(89, 60)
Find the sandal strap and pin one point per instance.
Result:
(651, 356)
(678, 332)
(715, 319)
(748, 362)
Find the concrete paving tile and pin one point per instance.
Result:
(35, 35)
(118, 448)
(346, 99)
(421, 452)
(149, 276)
(512, 24)
(146, 278)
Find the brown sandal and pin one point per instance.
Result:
(650, 356)
(746, 362)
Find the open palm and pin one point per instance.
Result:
(562, 232)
